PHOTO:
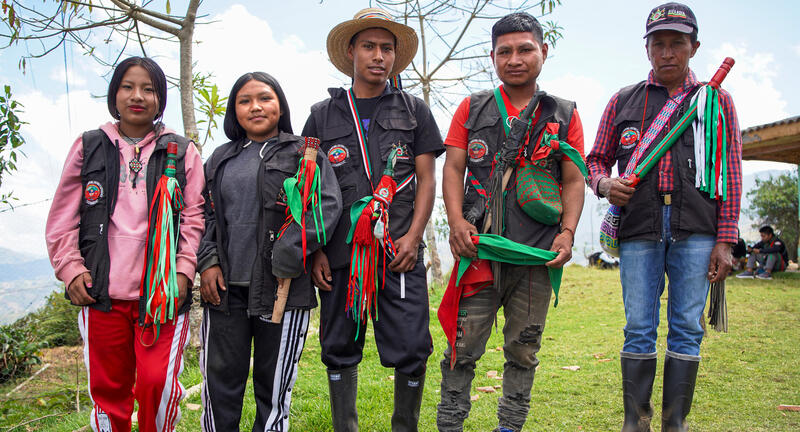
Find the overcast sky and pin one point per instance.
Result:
(602, 50)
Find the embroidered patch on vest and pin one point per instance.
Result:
(338, 155)
(629, 137)
(477, 149)
(93, 192)
(281, 199)
(402, 154)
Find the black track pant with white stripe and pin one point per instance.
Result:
(225, 363)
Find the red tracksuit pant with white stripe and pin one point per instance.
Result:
(120, 368)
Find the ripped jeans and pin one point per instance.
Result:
(525, 297)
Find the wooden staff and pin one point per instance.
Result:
(309, 156)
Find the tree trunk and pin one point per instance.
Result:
(430, 231)
(190, 131)
(186, 89)
(430, 240)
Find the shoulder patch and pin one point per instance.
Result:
(93, 192)
(629, 137)
(477, 149)
(338, 154)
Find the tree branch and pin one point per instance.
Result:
(137, 13)
(127, 5)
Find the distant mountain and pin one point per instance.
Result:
(25, 281)
(8, 256)
(26, 270)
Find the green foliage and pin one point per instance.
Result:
(210, 104)
(10, 139)
(743, 377)
(55, 323)
(19, 348)
(773, 202)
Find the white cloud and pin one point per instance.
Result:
(797, 49)
(233, 43)
(49, 135)
(751, 83)
(76, 79)
(590, 95)
(236, 42)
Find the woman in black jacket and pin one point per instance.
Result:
(242, 255)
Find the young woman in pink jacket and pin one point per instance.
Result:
(96, 236)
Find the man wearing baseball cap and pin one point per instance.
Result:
(666, 225)
(382, 144)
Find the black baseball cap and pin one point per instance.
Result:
(671, 16)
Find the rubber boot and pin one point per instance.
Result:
(637, 387)
(343, 387)
(679, 379)
(407, 401)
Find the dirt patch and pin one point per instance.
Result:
(66, 371)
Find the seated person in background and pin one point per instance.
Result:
(739, 253)
(769, 254)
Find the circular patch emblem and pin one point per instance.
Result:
(477, 150)
(629, 137)
(383, 192)
(338, 154)
(93, 192)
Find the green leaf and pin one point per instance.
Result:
(169, 9)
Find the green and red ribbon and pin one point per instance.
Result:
(159, 283)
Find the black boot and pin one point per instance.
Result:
(343, 387)
(637, 387)
(679, 378)
(407, 400)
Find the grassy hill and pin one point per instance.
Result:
(744, 376)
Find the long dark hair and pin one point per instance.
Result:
(235, 131)
(156, 77)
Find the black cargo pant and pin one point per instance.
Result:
(225, 364)
(525, 298)
(401, 328)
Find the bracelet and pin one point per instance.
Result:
(568, 229)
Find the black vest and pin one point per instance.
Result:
(394, 122)
(100, 181)
(486, 135)
(279, 162)
(692, 211)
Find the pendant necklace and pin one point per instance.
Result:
(135, 165)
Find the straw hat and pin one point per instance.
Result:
(339, 39)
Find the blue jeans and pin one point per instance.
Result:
(643, 264)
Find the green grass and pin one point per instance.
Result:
(744, 376)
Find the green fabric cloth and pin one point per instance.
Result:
(355, 212)
(500, 249)
(568, 151)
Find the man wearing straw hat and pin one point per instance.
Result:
(477, 141)
(666, 224)
(382, 144)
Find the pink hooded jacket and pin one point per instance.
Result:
(127, 231)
